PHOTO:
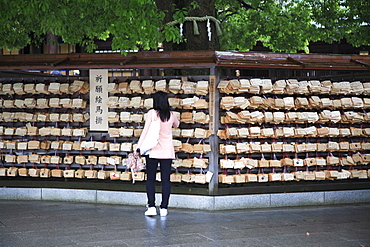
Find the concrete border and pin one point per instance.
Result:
(189, 201)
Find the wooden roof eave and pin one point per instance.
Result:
(109, 66)
(184, 59)
(293, 66)
(292, 61)
(109, 60)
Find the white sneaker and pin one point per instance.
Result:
(151, 211)
(163, 212)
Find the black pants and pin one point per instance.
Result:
(151, 170)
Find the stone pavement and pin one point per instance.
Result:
(47, 223)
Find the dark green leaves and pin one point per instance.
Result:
(289, 26)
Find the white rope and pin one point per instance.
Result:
(194, 19)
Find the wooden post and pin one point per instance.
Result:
(213, 127)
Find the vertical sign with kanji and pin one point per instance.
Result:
(98, 99)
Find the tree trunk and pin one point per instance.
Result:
(193, 42)
(52, 46)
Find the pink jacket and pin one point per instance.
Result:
(164, 148)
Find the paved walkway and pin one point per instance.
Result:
(43, 223)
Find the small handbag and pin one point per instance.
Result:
(135, 164)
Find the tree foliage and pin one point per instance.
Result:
(280, 25)
(131, 23)
(289, 26)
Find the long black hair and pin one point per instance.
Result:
(161, 105)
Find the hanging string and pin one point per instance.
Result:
(195, 28)
(209, 30)
(181, 29)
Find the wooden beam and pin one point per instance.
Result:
(360, 62)
(295, 61)
(60, 61)
(214, 124)
(128, 60)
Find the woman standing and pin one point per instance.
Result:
(163, 153)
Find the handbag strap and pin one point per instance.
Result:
(155, 116)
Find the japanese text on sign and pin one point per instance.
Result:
(98, 100)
